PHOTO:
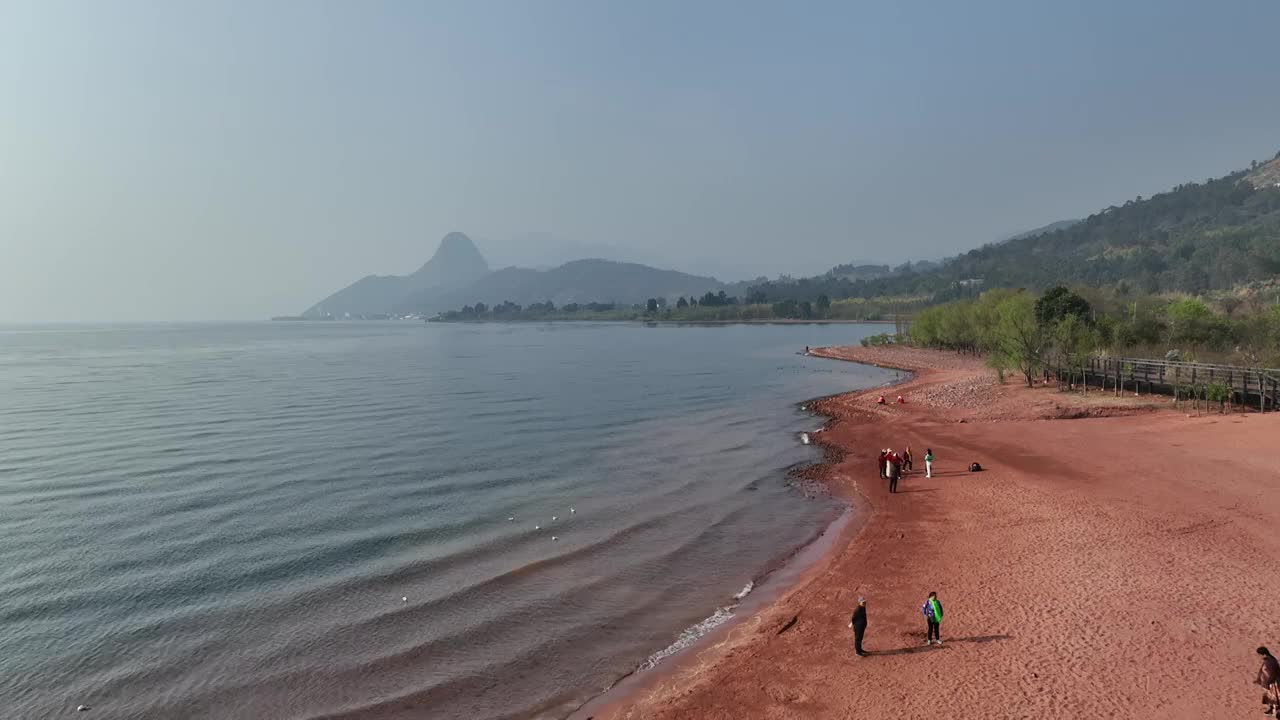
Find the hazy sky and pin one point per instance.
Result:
(229, 160)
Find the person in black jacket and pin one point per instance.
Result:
(859, 624)
(1269, 679)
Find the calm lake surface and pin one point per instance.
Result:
(221, 521)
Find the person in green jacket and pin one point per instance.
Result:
(928, 463)
(932, 611)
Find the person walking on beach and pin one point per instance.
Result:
(906, 459)
(1269, 679)
(894, 468)
(932, 611)
(883, 462)
(859, 624)
(928, 462)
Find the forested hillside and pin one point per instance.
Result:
(1199, 236)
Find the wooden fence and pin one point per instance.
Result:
(1254, 387)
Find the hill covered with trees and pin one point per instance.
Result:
(1197, 237)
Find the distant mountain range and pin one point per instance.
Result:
(1196, 237)
(455, 264)
(457, 274)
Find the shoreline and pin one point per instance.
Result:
(656, 321)
(790, 573)
(808, 562)
(793, 658)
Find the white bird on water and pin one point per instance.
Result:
(554, 518)
(511, 519)
(553, 537)
(404, 598)
(572, 511)
(537, 527)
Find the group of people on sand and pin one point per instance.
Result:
(893, 464)
(931, 610)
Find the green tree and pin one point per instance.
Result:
(1019, 338)
(1074, 343)
(682, 303)
(786, 309)
(1188, 321)
(1059, 302)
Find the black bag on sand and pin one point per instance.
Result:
(975, 468)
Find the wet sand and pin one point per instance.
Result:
(1116, 558)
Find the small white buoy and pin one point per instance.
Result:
(511, 519)
(82, 708)
(553, 537)
(554, 518)
(404, 598)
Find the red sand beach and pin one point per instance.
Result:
(1113, 566)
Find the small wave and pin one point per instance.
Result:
(689, 637)
(746, 590)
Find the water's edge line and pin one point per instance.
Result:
(849, 523)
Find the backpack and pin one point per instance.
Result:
(975, 468)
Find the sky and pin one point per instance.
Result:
(235, 160)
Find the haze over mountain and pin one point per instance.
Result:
(457, 274)
(195, 161)
(455, 264)
(544, 250)
(1051, 227)
(580, 281)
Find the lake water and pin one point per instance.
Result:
(221, 521)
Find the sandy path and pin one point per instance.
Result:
(1099, 568)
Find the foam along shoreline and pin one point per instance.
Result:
(720, 626)
(795, 572)
(1132, 548)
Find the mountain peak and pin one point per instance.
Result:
(455, 264)
(456, 253)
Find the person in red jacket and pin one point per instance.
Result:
(894, 468)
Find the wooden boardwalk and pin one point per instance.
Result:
(1253, 387)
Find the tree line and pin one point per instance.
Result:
(710, 307)
(1061, 329)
